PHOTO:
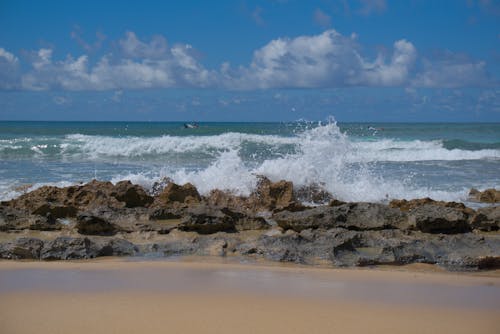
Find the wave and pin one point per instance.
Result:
(250, 146)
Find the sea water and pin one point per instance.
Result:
(353, 161)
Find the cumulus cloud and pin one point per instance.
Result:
(326, 60)
(8, 69)
(451, 70)
(143, 65)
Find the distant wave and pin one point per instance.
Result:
(250, 146)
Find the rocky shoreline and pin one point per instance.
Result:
(104, 219)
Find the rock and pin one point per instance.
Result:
(47, 223)
(486, 219)
(12, 219)
(165, 213)
(405, 205)
(22, 248)
(372, 216)
(206, 220)
(319, 217)
(352, 216)
(487, 196)
(174, 193)
(89, 224)
(118, 247)
(313, 193)
(431, 218)
(56, 211)
(224, 199)
(132, 195)
(273, 196)
(160, 185)
(67, 248)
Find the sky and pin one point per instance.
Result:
(243, 60)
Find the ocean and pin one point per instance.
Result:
(354, 161)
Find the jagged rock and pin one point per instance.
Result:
(273, 196)
(22, 248)
(165, 213)
(118, 247)
(407, 205)
(56, 211)
(487, 196)
(159, 186)
(47, 223)
(89, 224)
(487, 219)
(12, 219)
(174, 193)
(132, 195)
(353, 216)
(206, 220)
(223, 199)
(431, 218)
(67, 248)
(313, 193)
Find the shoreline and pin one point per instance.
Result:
(189, 296)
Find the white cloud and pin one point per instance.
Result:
(326, 60)
(144, 65)
(132, 47)
(450, 70)
(8, 57)
(8, 69)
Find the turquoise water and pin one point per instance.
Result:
(355, 161)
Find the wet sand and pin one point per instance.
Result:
(207, 296)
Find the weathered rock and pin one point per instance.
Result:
(47, 223)
(22, 248)
(206, 220)
(274, 196)
(487, 196)
(55, 211)
(165, 213)
(487, 219)
(352, 216)
(132, 195)
(118, 247)
(313, 193)
(160, 185)
(174, 193)
(89, 224)
(407, 205)
(67, 248)
(431, 218)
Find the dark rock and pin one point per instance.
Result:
(206, 220)
(487, 219)
(56, 211)
(118, 247)
(47, 223)
(21, 248)
(132, 195)
(407, 205)
(352, 216)
(431, 218)
(67, 248)
(165, 213)
(89, 224)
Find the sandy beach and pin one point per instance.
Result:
(216, 296)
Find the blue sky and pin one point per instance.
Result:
(359, 60)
